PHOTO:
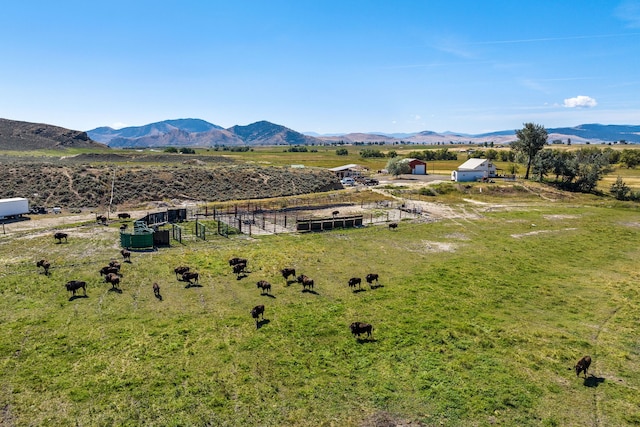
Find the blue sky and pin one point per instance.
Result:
(323, 66)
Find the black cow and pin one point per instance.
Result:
(45, 265)
(60, 235)
(257, 311)
(355, 281)
(239, 268)
(108, 270)
(583, 365)
(236, 261)
(372, 277)
(114, 279)
(126, 255)
(181, 270)
(156, 290)
(115, 264)
(286, 272)
(101, 219)
(393, 225)
(124, 215)
(74, 285)
(264, 285)
(358, 328)
(190, 275)
(305, 281)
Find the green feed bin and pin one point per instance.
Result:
(141, 238)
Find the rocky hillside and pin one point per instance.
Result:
(86, 182)
(16, 135)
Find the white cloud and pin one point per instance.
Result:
(580, 101)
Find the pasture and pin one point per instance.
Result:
(479, 320)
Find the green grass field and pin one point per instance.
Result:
(478, 322)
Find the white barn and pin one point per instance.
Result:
(474, 170)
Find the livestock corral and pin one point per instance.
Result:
(474, 313)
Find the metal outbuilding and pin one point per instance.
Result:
(474, 170)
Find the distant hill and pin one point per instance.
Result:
(588, 133)
(266, 133)
(17, 135)
(107, 134)
(199, 133)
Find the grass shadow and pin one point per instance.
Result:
(310, 291)
(193, 285)
(357, 291)
(159, 296)
(593, 381)
(268, 295)
(242, 276)
(116, 290)
(365, 340)
(75, 297)
(261, 323)
(376, 287)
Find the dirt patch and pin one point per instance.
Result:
(534, 233)
(560, 217)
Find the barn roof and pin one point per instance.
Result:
(472, 163)
(345, 167)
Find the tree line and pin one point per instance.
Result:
(578, 170)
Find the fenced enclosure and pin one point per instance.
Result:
(269, 218)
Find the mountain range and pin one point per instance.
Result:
(199, 133)
(17, 135)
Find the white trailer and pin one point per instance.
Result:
(13, 208)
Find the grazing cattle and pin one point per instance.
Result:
(257, 311)
(60, 235)
(114, 279)
(236, 261)
(239, 268)
(180, 270)
(156, 290)
(189, 276)
(126, 255)
(583, 365)
(355, 281)
(264, 285)
(108, 270)
(393, 225)
(101, 219)
(45, 265)
(305, 281)
(124, 215)
(115, 264)
(358, 328)
(334, 213)
(286, 272)
(74, 285)
(372, 277)
(123, 227)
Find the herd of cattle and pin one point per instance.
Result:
(111, 272)
(239, 267)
